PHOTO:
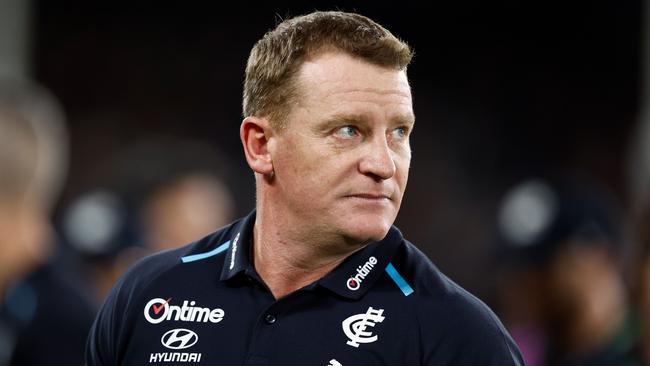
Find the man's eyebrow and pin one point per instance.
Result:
(407, 119)
(339, 119)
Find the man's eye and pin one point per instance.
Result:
(400, 133)
(346, 132)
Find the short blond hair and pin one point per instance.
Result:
(270, 88)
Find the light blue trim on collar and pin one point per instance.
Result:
(399, 280)
(213, 252)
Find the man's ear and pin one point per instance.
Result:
(254, 133)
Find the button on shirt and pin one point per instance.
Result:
(204, 304)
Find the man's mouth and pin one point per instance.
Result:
(371, 196)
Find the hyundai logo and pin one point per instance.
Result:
(179, 339)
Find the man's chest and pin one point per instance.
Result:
(243, 327)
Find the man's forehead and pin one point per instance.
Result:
(339, 72)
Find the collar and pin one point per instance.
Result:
(359, 271)
(350, 279)
(237, 257)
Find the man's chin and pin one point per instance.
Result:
(367, 232)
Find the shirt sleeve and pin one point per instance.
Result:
(101, 344)
(109, 336)
(469, 334)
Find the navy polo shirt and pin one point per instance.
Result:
(204, 304)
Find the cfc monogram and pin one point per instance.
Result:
(355, 326)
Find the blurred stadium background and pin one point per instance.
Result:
(503, 91)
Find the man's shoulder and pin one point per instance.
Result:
(434, 289)
(429, 282)
(152, 267)
(110, 333)
(450, 316)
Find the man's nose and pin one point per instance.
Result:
(377, 160)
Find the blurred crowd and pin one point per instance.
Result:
(572, 266)
(54, 274)
(570, 285)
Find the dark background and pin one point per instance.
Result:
(502, 91)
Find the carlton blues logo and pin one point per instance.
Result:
(356, 327)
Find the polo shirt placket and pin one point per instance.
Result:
(274, 317)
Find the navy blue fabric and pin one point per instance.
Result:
(334, 321)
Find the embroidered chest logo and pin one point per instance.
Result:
(354, 282)
(159, 310)
(179, 339)
(355, 326)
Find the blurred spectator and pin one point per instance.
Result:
(642, 276)
(166, 193)
(178, 189)
(563, 292)
(44, 318)
(98, 225)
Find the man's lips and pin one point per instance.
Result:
(370, 196)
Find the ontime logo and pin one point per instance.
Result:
(354, 282)
(159, 310)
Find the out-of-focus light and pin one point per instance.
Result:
(527, 211)
(94, 221)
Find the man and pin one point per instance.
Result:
(170, 192)
(179, 192)
(641, 276)
(564, 294)
(316, 275)
(44, 318)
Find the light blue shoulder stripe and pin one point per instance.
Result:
(213, 252)
(399, 280)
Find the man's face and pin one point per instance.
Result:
(188, 208)
(25, 235)
(341, 162)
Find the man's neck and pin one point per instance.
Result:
(289, 261)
